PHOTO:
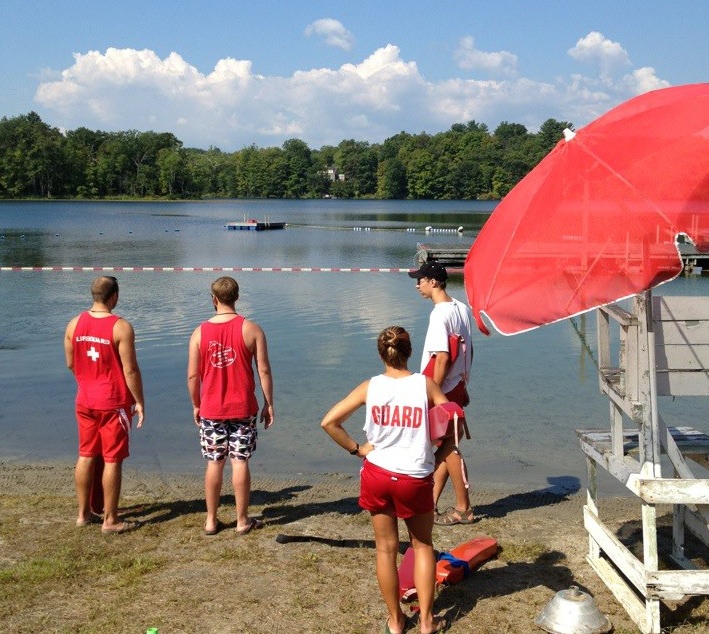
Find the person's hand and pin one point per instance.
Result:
(195, 415)
(267, 416)
(365, 449)
(140, 411)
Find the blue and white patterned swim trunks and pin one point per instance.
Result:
(235, 437)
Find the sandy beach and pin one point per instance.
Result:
(167, 574)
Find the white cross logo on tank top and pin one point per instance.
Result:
(93, 353)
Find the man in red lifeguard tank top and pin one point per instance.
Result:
(220, 381)
(100, 350)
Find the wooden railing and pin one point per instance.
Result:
(662, 348)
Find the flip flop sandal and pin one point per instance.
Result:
(387, 629)
(441, 624)
(94, 519)
(215, 530)
(125, 527)
(252, 525)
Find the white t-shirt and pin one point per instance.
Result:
(449, 318)
(396, 423)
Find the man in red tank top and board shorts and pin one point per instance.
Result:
(221, 384)
(99, 347)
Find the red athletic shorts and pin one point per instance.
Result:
(103, 433)
(383, 491)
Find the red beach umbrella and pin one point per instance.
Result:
(597, 220)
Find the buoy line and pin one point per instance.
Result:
(201, 269)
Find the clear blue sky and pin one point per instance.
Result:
(229, 73)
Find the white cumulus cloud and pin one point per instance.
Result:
(333, 32)
(232, 106)
(598, 49)
(643, 80)
(470, 58)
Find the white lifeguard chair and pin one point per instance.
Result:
(663, 349)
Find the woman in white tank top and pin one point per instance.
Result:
(396, 480)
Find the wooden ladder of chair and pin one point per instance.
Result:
(663, 349)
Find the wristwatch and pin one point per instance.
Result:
(355, 451)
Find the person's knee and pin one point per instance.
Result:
(112, 469)
(422, 543)
(240, 466)
(215, 468)
(387, 548)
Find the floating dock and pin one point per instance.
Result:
(254, 225)
(454, 255)
(447, 254)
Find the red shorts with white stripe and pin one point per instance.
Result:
(103, 433)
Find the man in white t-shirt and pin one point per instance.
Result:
(449, 327)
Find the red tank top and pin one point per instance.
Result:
(97, 365)
(227, 378)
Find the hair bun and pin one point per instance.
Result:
(394, 345)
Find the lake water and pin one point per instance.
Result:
(529, 392)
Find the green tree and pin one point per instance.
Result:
(298, 160)
(358, 162)
(82, 152)
(550, 133)
(254, 172)
(421, 174)
(466, 161)
(319, 182)
(113, 169)
(171, 170)
(391, 179)
(391, 147)
(210, 173)
(502, 182)
(142, 150)
(277, 171)
(31, 158)
(509, 133)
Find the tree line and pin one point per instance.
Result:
(465, 162)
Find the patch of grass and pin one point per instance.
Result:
(242, 553)
(522, 551)
(36, 571)
(309, 560)
(305, 602)
(65, 564)
(232, 555)
(128, 568)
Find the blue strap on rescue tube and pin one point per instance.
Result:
(455, 562)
